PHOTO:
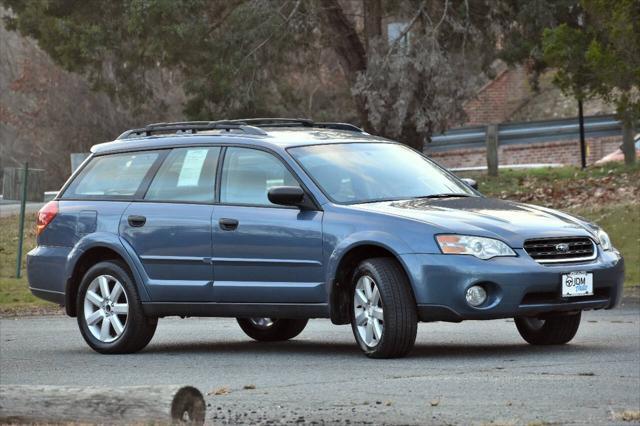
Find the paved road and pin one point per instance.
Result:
(474, 372)
(12, 209)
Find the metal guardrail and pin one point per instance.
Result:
(526, 132)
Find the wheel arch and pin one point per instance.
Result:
(340, 285)
(84, 256)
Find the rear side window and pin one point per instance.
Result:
(187, 174)
(112, 176)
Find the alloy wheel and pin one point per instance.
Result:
(534, 323)
(367, 306)
(106, 308)
(262, 323)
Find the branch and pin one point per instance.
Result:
(265, 41)
(403, 34)
(224, 17)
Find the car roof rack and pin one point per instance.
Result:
(272, 122)
(191, 127)
(294, 122)
(339, 126)
(249, 126)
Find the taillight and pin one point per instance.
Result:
(46, 215)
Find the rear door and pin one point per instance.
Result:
(263, 253)
(170, 228)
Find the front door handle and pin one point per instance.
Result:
(227, 224)
(137, 221)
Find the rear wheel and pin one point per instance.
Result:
(383, 312)
(549, 331)
(272, 329)
(110, 315)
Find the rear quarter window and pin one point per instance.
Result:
(112, 176)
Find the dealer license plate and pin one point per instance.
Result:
(577, 284)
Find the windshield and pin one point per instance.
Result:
(367, 172)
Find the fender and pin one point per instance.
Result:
(112, 242)
(381, 239)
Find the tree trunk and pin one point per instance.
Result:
(628, 147)
(101, 405)
(372, 21)
(349, 48)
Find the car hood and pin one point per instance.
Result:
(509, 221)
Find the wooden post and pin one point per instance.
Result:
(628, 147)
(492, 149)
(101, 405)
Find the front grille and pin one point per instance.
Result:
(561, 249)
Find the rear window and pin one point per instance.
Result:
(112, 176)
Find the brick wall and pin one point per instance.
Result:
(564, 152)
(499, 98)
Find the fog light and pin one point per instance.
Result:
(476, 295)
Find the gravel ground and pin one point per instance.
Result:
(469, 373)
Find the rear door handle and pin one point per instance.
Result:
(227, 224)
(137, 221)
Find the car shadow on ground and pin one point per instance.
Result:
(319, 349)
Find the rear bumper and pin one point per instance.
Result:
(46, 272)
(517, 286)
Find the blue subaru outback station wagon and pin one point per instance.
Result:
(276, 221)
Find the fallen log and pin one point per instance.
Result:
(104, 405)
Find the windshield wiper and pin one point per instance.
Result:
(444, 195)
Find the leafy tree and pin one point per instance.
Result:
(601, 57)
(521, 25)
(227, 56)
(253, 57)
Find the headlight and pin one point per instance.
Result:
(605, 241)
(482, 248)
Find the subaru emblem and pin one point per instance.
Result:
(562, 247)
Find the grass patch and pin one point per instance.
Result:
(14, 292)
(513, 180)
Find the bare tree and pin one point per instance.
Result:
(413, 84)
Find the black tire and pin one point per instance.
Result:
(138, 329)
(279, 329)
(549, 331)
(400, 318)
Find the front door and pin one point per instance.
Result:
(170, 230)
(263, 253)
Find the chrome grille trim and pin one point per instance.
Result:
(543, 250)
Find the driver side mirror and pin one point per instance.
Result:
(470, 182)
(287, 196)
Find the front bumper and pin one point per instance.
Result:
(517, 286)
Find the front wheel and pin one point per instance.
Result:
(549, 331)
(272, 329)
(383, 312)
